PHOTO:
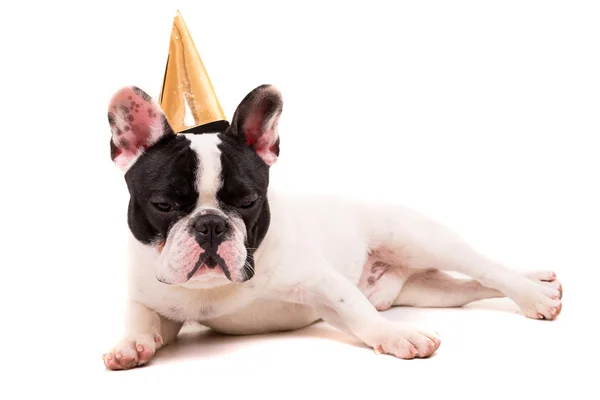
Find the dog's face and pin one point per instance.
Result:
(199, 200)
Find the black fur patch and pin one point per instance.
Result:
(111, 119)
(114, 150)
(142, 94)
(245, 176)
(166, 173)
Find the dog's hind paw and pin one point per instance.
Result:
(542, 299)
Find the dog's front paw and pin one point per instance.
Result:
(134, 351)
(541, 299)
(404, 341)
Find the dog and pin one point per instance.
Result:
(210, 242)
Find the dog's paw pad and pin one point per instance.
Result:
(132, 352)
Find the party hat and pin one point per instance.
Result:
(187, 96)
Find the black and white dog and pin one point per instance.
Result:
(212, 243)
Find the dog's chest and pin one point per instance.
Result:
(188, 305)
(183, 304)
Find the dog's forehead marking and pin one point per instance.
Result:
(208, 177)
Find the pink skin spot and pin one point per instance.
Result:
(189, 259)
(229, 253)
(184, 254)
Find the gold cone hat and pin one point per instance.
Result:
(187, 96)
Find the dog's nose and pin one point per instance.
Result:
(210, 226)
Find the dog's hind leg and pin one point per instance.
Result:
(381, 282)
(405, 238)
(433, 288)
(399, 286)
(382, 292)
(387, 285)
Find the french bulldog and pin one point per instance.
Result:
(211, 242)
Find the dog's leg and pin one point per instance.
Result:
(341, 303)
(441, 249)
(146, 332)
(435, 288)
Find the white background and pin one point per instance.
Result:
(484, 115)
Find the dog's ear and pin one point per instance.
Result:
(136, 123)
(256, 119)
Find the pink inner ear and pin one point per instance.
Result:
(262, 135)
(252, 128)
(135, 122)
(263, 138)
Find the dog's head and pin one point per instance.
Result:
(199, 200)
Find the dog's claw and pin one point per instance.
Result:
(158, 339)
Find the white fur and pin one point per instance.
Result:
(311, 265)
(208, 183)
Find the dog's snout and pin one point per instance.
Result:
(210, 227)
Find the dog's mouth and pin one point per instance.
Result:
(211, 261)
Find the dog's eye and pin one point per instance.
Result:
(163, 207)
(247, 203)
